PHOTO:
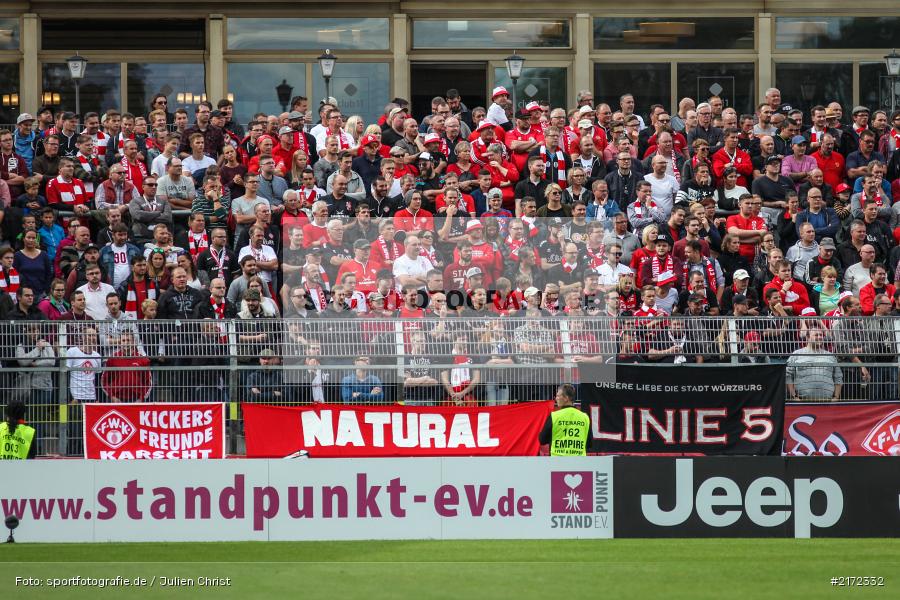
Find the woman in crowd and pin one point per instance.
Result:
(629, 299)
(299, 164)
(34, 266)
(730, 258)
(356, 127)
(729, 192)
(576, 190)
(198, 281)
(232, 171)
(824, 296)
(699, 187)
(645, 252)
(157, 270)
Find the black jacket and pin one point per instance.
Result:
(179, 305)
(622, 189)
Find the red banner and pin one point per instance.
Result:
(154, 430)
(337, 431)
(842, 429)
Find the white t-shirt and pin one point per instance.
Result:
(412, 267)
(190, 164)
(81, 375)
(95, 300)
(663, 192)
(122, 268)
(158, 166)
(610, 275)
(264, 254)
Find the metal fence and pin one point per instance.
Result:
(56, 366)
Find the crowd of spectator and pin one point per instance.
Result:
(509, 217)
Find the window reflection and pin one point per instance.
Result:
(482, 33)
(99, 90)
(733, 82)
(9, 34)
(804, 85)
(360, 89)
(673, 34)
(537, 84)
(649, 83)
(837, 32)
(253, 86)
(308, 34)
(875, 86)
(10, 98)
(175, 80)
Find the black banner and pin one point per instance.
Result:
(749, 496)
(684, 409)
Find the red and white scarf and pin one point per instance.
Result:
(709, 269)
(569, 267)
(197, 245)
(135, 173)
(300, 142)
(9, 282)
(514, 247)
(308, 196)
(317, 293)
(120, 141)
(88, 163)
(430, 254)
(218, 308)
(675, 172)
(597, 258)
(131, 305)
(100, 140)
(639, 208)
(863, 199)
(389, 251)
(560, 165)
(219, 260)
(656, 268)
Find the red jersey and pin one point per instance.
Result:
(383, 251)
(366, 279)
(748, 251)
(313, 233)
(742, 163)
(832, 167)
(521, 158)
(404, 220)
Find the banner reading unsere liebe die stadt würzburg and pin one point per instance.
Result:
(357, 431)
(154, 430)
(684, 409)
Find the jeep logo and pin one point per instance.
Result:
(767, 501)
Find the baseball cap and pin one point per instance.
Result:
(424, 156)
(329, 100)
(531, 291)
(216, 113)
(485, 124)
(285, 130)
(314, 250)
(360, 244)
(368, 139)
(266, 353)
(775, 158)
(24, 117)
(752, 336)
(532, 106)
(251, 294)
(431, 138)
(295, 114)
(859, 109)
(696, 297)
(473, 272)
(798, 139)
(665, 238)
(499, 91)
(394, 112)
(741, 274)
(809, 311)
(827, 243)
(739, 299)
(523, 114)
(556, 221)
(665, 278)
(494, 193)
(845, 294)
(473, 224)
(841, 188)
(586, 109)
(585, 124)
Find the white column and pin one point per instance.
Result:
(401, 86)
(215, 67)
(764, 37)
(30, 77)
(582, 40)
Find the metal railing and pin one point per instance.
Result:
(55, 366)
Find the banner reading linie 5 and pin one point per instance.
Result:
(684, 409)
(351, 431)
(154, 430)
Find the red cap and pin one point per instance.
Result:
(841, 188)
(368, 139)
(484, 125)
(751, 336)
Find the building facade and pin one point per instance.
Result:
(258, 52)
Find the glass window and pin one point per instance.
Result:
(360, 89)
(9, 34)
(673, 34)
(649, 83)
(254, 87)
(440, 33)
(99, 90)
(804, 85)
(536, 83)
(9, 100)
(837, 32)
(126, 33)
(176, 81)
(875, 87)
(308, 34)
(733, 82)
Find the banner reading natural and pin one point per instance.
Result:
(154, 430)
(349, 431)
(684, 409)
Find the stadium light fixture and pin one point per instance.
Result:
(514, 65)
(77, 67)
(892, 62)
(326, 63)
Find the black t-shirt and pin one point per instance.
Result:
(772, 191)
(344, 209)
(329, 252)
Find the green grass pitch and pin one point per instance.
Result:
(463, 570)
